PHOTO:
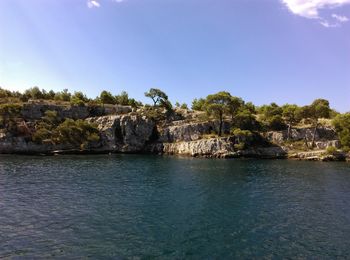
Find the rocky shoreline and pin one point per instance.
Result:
(125, 131)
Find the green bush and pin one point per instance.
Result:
(331, 150)
(77, 133)
(243, 138)
(276, 123)
(342, 127)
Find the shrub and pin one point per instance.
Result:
(276, 123)
(331, 150)
(242, 138)
(342, 127)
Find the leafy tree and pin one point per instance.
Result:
(268, 111)
(218, 105)
(342, 127)
(318, 109)
(245, 120)
(158, 97)
(198, 104)
(234, 105)
(184, 106)
(106, 97)
(250, 106)
(78, 99)
(122, 99)
(63, 95)
(276, 123)
(290, 115)
(34, 93)
(133, 103)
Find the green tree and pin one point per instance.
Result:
(34, 93)
(122, 99)
(268, 111)
(158, 97)
(318, 109)
(63, 95)
(106, 97)
(246, 120)
(234, 105)
(184, 106)
(342, 126)
(218, 105)
(78, 99)
(290, 115)
(198, 104)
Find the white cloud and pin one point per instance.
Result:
(310, 9)
(340, 18)
(93, 3)
(329, 25)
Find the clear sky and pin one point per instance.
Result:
(261, 50)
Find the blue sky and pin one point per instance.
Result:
(261, 50)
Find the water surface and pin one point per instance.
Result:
(136, 206)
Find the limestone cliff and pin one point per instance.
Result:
(121, 130)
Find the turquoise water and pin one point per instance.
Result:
(136, 206)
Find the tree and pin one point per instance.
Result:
(34, 93)
(245, 120)
(234, 105)
(268, 111)
(342, 127)
(218, 105)
(107, 98)
(78, 99)
(122, 99)
(290, 115)
(63, 95)
(318, 109)
(184, 106)
(158, 97)
(198, 104)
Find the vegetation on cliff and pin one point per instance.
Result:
(246, 120)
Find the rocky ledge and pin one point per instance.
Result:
(131, 132)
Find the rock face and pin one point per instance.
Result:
(223, 147)
(119, 133)
(10, 145)
(35, 111)
(214, 147)
(182, 131)
(132, 132)
(124, 133)
(322, 133)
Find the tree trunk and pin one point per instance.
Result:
(289, 129)
(314, 136)
(220, 126)
(305, 140)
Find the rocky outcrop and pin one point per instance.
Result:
(223, 147)
(183, 131)
(320, 155)
(35, 111)
(322, 134)
(132, 132)
(21, 145)
(124, 133)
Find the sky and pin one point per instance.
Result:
(283, 51)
